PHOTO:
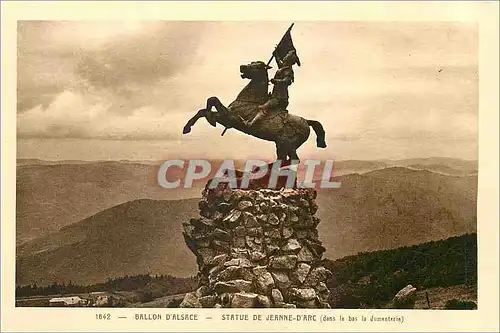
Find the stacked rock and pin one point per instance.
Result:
(257, 248)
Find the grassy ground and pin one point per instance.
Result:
(438, 296)
(161, 302)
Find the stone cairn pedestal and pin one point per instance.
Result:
(257, 248)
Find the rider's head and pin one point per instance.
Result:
(291, 58)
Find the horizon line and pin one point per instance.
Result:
(242, 159)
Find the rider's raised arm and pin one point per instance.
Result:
(277, 58)
(279, 62)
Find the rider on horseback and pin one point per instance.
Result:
(282, 79)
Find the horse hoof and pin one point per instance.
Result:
(322, 144)
(186, 130)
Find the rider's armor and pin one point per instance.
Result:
(282, 79)
(279, 96)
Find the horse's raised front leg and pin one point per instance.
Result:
(187, 128)
(217, 104)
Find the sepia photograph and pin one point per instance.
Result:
(241, 164)
(102, 105)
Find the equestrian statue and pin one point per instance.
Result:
(262, 114)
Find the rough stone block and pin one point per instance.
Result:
(292, 246)
(283, 262)
(303, 294)
(257, 248)
(244, 300)
(301, 272)
(264, 283)
(281, 279)
(277, 296)
(233, 286)
(190, 301)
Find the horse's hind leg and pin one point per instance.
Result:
(285, 151)
(187, 128)
(292, 153)
(281, 152)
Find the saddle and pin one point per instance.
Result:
(274, 113)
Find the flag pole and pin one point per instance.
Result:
(272, 56)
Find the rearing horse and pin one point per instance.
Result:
(287, 131)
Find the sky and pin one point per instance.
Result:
(110, 90)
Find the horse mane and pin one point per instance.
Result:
(256, 91)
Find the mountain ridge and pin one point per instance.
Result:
(377, 210)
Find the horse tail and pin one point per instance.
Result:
(320, 133)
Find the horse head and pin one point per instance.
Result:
(256, 90)
(256, 70)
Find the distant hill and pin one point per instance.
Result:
(469, 166)
(394, 207)
(53, 194)
(444, 169)
(371, 279)
(49, 197)
(382, 209)
(141, 236)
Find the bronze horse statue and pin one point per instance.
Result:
(288, 131)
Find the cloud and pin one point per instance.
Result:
(365, 81)
(72, 115)
(124, 65)
(143, 58)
